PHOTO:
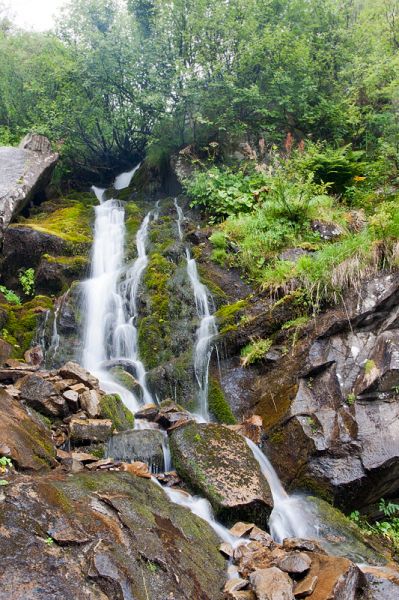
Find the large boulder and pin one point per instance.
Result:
(29, 441)
(24, 173)
(338, 435)
(217, 463)
(104, 536)
(43, 396)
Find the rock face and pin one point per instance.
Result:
(217, 463)
(24, 172)
(339, 434)
(29, 442)
(104, 536)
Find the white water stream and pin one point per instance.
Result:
(123, 180)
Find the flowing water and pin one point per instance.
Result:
(205, 337)
(123, 180)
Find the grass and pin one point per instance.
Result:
(255, 351)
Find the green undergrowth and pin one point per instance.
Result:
(261, 212)
(228, 315)
(218, 405)
(255, 351)
(133, 219)
(21, 321)
(386, 527)
(113, 408)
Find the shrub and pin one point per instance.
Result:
(27, 281)
(9, 295)
(255, 351)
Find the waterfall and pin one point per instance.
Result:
(289, 517)
(125, 338)
(111, 299)
(123, 180)
(206, 334)
(55, 338)
(180, 218)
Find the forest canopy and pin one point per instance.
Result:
(117, 79)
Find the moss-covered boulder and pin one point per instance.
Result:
(29, 441)
(104, 536)
(217, 463)
(113, 408)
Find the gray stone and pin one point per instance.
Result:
(271, 584)
(43, 396)
(143, 445)
(24, 172)
(93, 430)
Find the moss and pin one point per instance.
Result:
(71, 223)
(98, 452)
(74, 265)
(113, 408)
(218, 405)
(22, 322)
(215, 290)
(124, 378)
(227, 313)
(369, 366)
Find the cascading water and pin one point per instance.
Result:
(180, 218)
(123, 180)
(205, 336)
(289, 516)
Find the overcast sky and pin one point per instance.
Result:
(35, 14)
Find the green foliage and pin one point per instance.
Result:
(388, 528)
(49, 541)
(369, 366)
(297, 323)
(27, 281)
(255, 351)
(351, 399)
(6, 462)
(10, 296)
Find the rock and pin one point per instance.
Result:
(27, 442)
(234, 585)
(136, 468)
(337, 578)
(217, 463)
(143, 445)
(34, 356)
(226, 549)
(272, 584)
(5, 351)
(327, 231)
(261, 536)
(293, 254)
(43, 396)
(148, 412)
(241, 529)
(72, 370)
(294, 562)
(72, 399)
(90, 403)
(242, 595)
(115, 536)
(299, 544)
(251, 428)
(25, 171)
(83, 457)
(112, 407)
(92, 430)
(170, 413)
(306, 587)
(383, 583)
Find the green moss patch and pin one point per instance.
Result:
(113, 408)
(218, 405)
(22, 321)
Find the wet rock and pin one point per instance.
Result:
(28, 442)
(137, 468)
(170, 414)
(72, 399)
(25, 171)
(149, 413)
(251, 428)
(272, 584)
(241, 529)
(90, 403)
(234, 585)
(72, 370)
(144, 445)
(294, 562)
(34, 356)
(306, 587)
(5, 351)
(261, 536)
(217, 463)
(383, 583)
(300, 544)
(43, 396)
(226, 549)
(112, 407)
(337, 578)
(92, 430)
(115, 536)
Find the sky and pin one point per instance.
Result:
(34, 14)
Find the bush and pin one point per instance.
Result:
(255, 351)
(27, 281)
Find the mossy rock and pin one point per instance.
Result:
(217, 463)
(125, 379)
(22, 321)
(113, 408)
(154, 548)
(227, 314)
(218, 405)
